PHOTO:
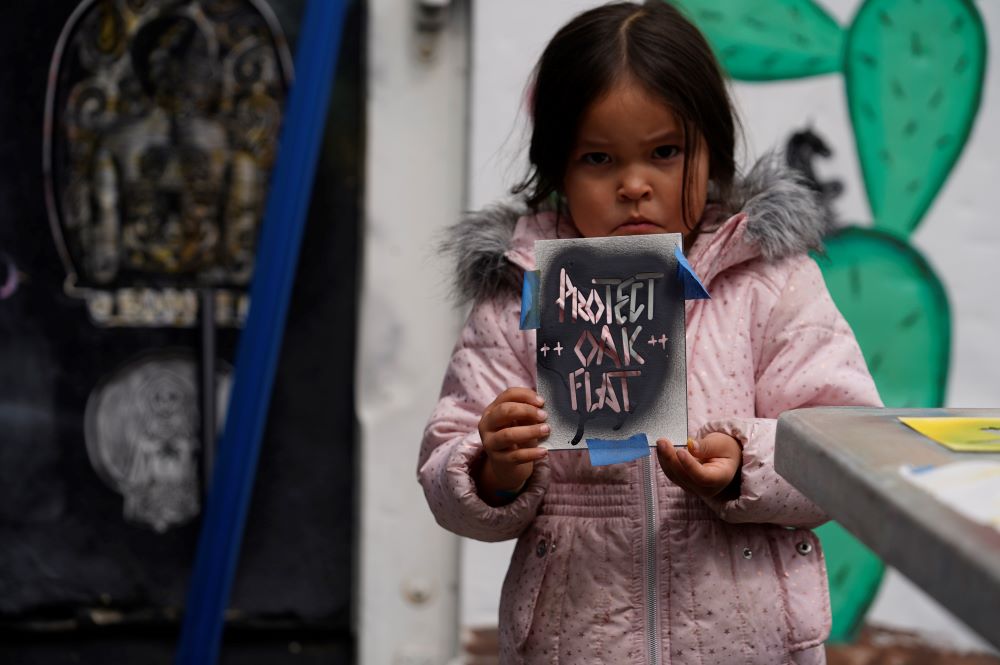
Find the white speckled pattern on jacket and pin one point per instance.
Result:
(733, 586)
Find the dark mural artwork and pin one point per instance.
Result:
(160, 131)
(133, 180)
(161, 126)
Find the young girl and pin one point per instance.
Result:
(710, 560)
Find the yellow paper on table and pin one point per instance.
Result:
(961, 434)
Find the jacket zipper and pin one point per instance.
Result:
(651, 567)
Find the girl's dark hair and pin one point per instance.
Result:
(656, 46)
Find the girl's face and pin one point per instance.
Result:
(625, 174)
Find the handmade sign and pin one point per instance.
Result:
(609, 314)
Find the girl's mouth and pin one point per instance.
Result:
(636, 226)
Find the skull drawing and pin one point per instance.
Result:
(142, 434)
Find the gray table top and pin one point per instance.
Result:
(847, 460)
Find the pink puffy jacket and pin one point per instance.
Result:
(616, 564)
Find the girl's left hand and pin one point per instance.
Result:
(705, 467)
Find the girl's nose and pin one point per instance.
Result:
(634, 187)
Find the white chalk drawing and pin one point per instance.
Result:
(143, 436)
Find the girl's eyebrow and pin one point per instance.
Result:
(668, 135)
(658, 137)
(592, 142)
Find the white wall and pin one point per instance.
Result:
(414, 184)
(958, 236)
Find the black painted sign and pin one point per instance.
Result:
(610, 346)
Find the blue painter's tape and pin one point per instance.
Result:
(608, 451)
(530, 314)
(693, 288)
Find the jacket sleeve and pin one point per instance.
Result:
(809, 357)
(489, 357)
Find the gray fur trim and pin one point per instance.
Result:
(476, 245)
(784, 215)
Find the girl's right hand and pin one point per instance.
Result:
(511, 428)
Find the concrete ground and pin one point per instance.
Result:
(875, 646)
(886, 646)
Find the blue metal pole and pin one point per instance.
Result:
(260, 342)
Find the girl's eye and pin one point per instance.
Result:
(665, 151)
(596, 158)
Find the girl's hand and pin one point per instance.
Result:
(706, 467)
(511, 428)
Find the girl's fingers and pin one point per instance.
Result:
(715, 445)
(690, 473)
(666, 452)
(702, 474)
(522, 455)
(511, 414)
(512, 407)
(713, 461)
(518, 437)
(523, 395)
(667, 455)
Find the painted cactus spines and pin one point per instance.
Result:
(898, 311)
(763, 40)
(913, 71)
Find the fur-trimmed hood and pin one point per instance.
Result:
(779, 213)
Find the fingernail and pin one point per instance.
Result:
(539, 400)
(545, 452)
(545, 429)
(693, 445)
(542, 415)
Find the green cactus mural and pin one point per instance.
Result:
(854, 574)
(897, 309)
(913, 72)
(763, 40)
